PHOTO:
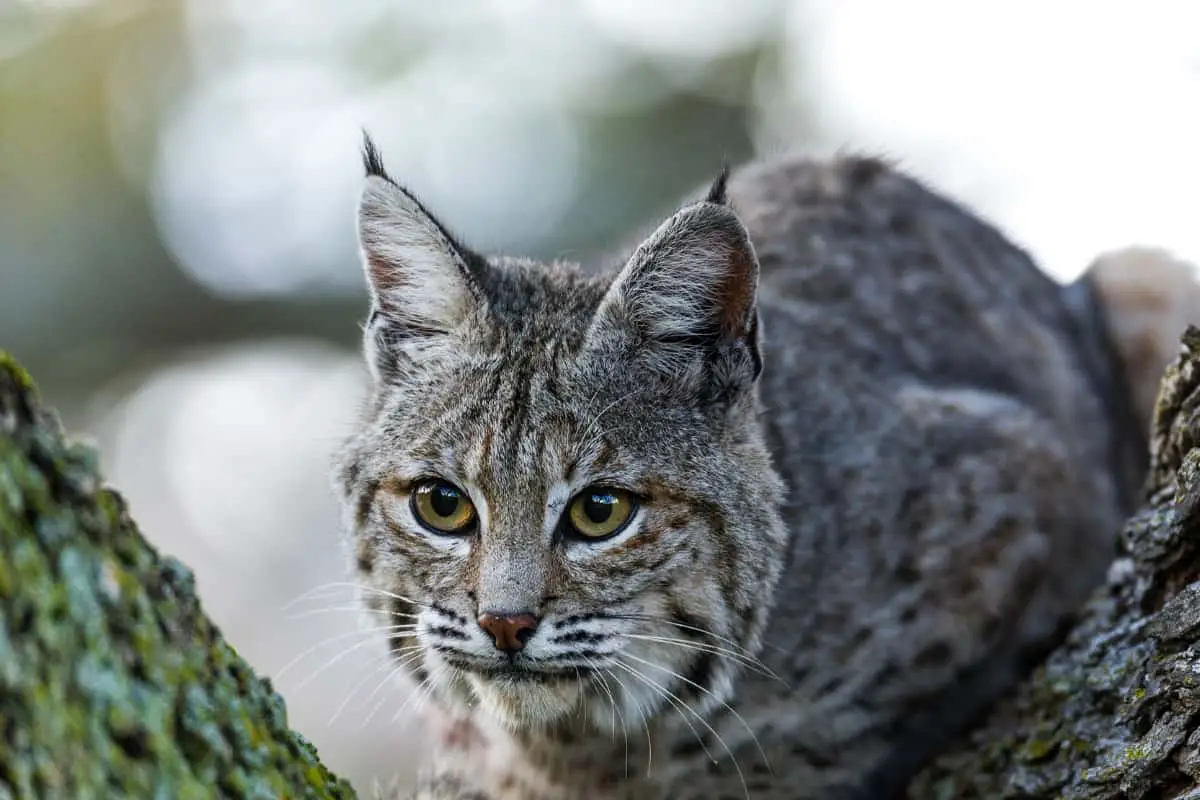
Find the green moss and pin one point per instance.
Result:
(18, 376)
(113, 682)
(1136, 753)
(1038, 749)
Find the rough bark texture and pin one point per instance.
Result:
(113, 683)
(1115, 711)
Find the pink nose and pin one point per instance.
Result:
(510, 631)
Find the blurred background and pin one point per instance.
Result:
(178, 180)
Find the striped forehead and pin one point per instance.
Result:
(518, 423)
(518, 448)
(528, 439)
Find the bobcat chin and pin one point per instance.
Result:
(774, 508)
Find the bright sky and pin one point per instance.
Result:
(1074, 125)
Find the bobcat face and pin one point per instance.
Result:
(559, 496)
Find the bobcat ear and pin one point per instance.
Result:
(690, 288)
(420, 278)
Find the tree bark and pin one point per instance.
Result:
(113, 682)
(1115, 711)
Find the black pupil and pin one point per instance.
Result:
(444, 501)
(598, 508)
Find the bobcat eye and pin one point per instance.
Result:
(598, 512)
(442, 507)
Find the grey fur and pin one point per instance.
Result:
(854, 552)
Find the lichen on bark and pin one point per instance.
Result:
(1114, 712)
(113, 682)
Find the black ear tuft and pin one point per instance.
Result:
(372, 160)
(717, 192)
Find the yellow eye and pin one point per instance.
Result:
(599, 512)
(442, 507)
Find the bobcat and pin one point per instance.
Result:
(771, 510)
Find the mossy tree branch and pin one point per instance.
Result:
(113, 682)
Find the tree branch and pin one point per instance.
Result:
(113, 682)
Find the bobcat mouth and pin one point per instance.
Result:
(514, 671)
(522, 697)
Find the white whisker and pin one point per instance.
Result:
(368, 632)
(729, 708)
(612, 700)
(703, 721)
(312, 612)
(416, 691)
(387, 664)
(752, 664)
(357, 587)
(737, 646)
(676, 703)
(617, 713)
(335, 659)
(390, 679)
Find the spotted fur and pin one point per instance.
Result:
(881, 459)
